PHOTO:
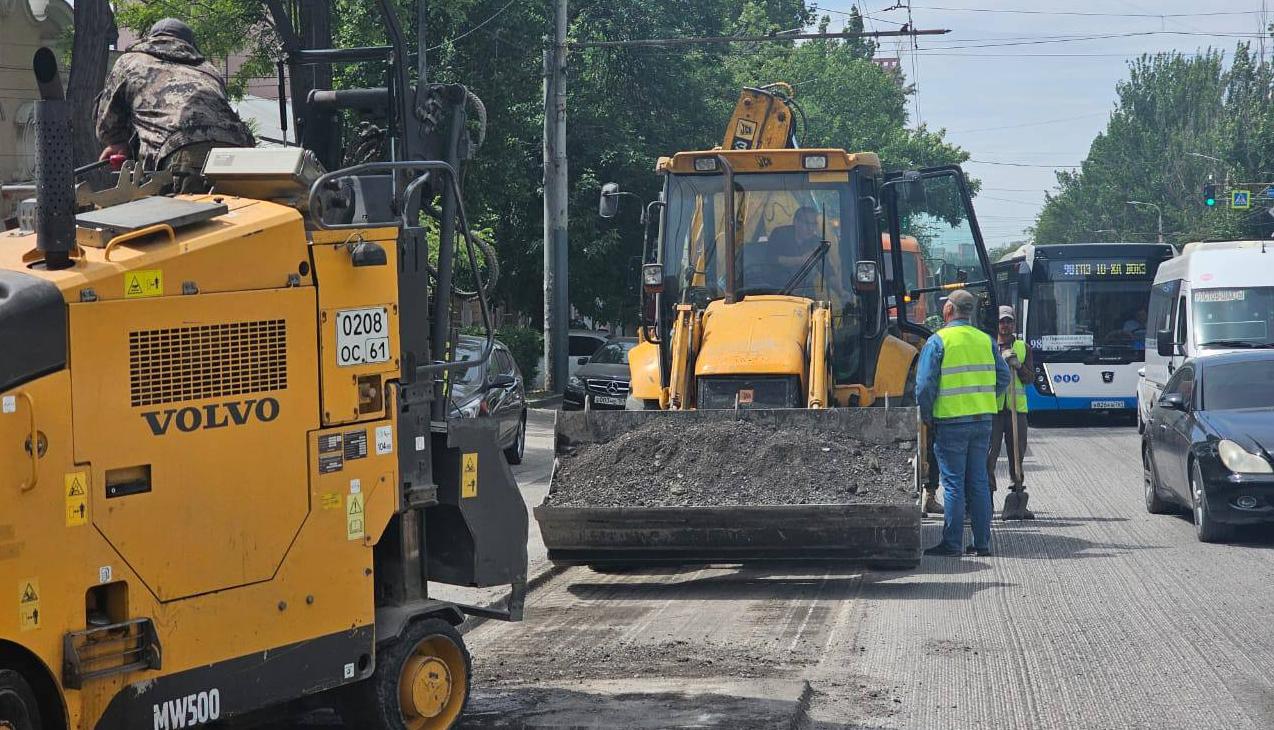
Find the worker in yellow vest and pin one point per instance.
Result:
(959, 381)
(1012, 408)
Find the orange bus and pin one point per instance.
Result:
(915, 274)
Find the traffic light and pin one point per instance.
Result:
(1209, 195)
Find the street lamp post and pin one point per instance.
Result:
(1158, 209)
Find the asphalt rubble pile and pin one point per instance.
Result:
(667, 463)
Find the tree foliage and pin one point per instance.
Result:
(626, 108)
(1173, 112)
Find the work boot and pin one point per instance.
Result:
(932, 505)
(1015, 505)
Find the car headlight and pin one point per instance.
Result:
(470, 409)
(1241, 461)
(575, 382)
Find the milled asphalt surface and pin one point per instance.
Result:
(1095, 615)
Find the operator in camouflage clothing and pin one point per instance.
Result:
(163, 92)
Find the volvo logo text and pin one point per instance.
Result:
(217, 415)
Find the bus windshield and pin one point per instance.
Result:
(1080, 318)
(781, 220)
(1234, 318)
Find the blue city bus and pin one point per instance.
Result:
(1081, 308)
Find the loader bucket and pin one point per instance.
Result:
(880, 529)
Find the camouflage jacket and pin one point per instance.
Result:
(165, 92)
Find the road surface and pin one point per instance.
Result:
(1095, 615)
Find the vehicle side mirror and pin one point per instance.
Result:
(1024, 282)
(582, 361)
(503, 381)
(914, 190)
(1173, 401)
(608, 206)
(1164, 344)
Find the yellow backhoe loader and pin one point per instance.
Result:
(227, 478)
(766, 299)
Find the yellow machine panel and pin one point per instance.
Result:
(766, 335)
(256, 245)
(760, 121)
(358, 322)
(191, 415)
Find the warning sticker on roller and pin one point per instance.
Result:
(469, 476)
(355, 517)
(76, 498)
(28, 604)
(144, 283)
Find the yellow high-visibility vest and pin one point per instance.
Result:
(966, 386)
(1019, 349)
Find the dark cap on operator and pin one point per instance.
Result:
(173, 27)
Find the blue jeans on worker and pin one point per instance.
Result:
(961, 450)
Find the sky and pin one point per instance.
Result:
(1026, 85)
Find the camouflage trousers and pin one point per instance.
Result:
(187, 166)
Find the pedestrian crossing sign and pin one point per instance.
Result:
(1240, 199)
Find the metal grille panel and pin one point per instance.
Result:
(209, 361)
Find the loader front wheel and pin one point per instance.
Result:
(421, 681)
(18, 707)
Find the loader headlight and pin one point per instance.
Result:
(1241, 461)
(814, 162)
(705, 164)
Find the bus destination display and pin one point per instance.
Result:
(1099, 269)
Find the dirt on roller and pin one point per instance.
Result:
(732, 463)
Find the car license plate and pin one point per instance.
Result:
(1108, 404)
(362, 336)
(607, 400)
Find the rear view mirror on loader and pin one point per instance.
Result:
(608, 207)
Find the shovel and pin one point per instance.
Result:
(1015, 501)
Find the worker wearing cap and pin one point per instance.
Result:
(164, 94)
(959, 380)
(1018, 358)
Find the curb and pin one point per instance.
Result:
(552, 401)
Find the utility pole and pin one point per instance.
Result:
(1158, 210)
(557, 313)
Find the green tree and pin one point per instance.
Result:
(1173, 113)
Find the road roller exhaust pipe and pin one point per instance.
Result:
(55, 165)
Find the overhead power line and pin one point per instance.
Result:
(475, 28)
(1017, 11)
(1029, 124)
(645, 42)
(1020, 164)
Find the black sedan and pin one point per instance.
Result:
(493, 390)
(603, 379)
(1207, 445)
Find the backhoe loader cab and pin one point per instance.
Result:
(806, 232)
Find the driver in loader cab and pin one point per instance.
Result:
(789, 246)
